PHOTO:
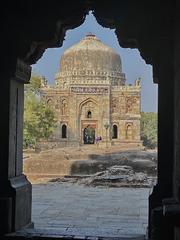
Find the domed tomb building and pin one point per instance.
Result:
(91, 99)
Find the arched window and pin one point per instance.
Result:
(64, 85)
(89, 114)
(115, 132)
(64, 131)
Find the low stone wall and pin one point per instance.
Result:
(44, 145)
(56, 144)
(60, 162)
(47, 167)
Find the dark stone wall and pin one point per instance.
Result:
(28, 28)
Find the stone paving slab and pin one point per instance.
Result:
(90, 211)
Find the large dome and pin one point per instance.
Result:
(91, 57)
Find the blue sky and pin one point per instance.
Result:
(132, 63)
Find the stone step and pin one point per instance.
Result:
(55, 233)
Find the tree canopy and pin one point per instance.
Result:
(34, 86)
(149, 129)
(39, 119)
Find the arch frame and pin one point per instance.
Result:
(151, 34)
(86, 101)
(127, 126)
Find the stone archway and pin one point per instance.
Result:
(144, 26)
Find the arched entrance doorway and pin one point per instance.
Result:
(89, 135)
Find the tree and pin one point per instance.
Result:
(39, 119)
(34, 86)
(149, 129)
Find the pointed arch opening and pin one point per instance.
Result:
(129, 132)
(115, 132)
(64, 131)
(89, 134)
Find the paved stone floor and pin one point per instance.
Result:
(79, 210)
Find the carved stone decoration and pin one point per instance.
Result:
(89, 104)
(97, 90)
(64, 107)
(58, 104)
(88, 108)
(114, 105)
(128, 105)
(131, 104)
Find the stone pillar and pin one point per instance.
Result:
(15, 189)
(176, 183)
(163, 189)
